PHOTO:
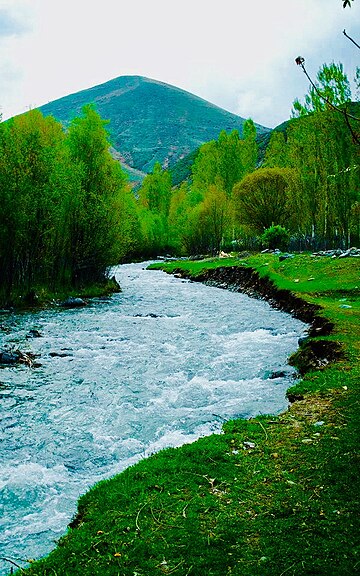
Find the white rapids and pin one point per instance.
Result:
(159, 364)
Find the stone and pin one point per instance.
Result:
(249, 445)
(285, 256)
(277, 374)
(33, 333)
(9, 357)
(72, 302)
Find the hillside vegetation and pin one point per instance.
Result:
(149, 121)
(272, 495)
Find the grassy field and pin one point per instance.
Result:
(274, 495)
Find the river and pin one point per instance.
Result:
(159, 364)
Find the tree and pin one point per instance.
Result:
(321, 149)
(332, 89)
(276, 237)
(249, 151)
(205, 168)
(215, 211)
(155, 192)
(276, 153)
(262, 198)
(29, 156)
(154, 199)
(332, 97)
(92, 206)
(225, 161)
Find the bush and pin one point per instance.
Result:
(276, 237)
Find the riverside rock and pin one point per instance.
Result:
(338, 253)
(13, 357)
(72, 302)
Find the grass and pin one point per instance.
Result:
(271, 496)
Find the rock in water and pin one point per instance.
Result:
(9, 357)
(73, 303)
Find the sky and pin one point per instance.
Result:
(237, 54)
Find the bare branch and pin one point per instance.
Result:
(351, 39)
(300, 61)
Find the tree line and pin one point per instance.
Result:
(308, 183)
(61, 201)
(67, 212)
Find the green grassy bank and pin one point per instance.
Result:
(274, 495)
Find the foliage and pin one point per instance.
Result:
(150, 121)
(321, 149)
(154, 198)
(276, 237)
(331, 89)
(92, 210)
(155, 191)
(263, 198)
(225, 161)
(60, 204)
(276, 153)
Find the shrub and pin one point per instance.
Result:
(276, 237)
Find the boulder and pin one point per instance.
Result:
(12, 357)
(9, 357)
(33, 333)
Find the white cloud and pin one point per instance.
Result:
(233, 53)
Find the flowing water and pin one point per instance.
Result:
(160, 364)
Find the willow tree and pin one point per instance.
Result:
(324, 150)
(225, 161)
(263, 198)
(154, 201)
(30, 151)
(92, 201)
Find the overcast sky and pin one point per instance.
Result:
(237, 54)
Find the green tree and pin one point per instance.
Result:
(29, 154)
(205, 169)
(276, 153)
(262, 198)
(321, 148)
(276, 237)
(155, 198)
(225, 161)
(155, 192)
(93, 205)
(215, 215)
(331, 89)
(249, 151)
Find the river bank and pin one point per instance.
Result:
(271, 495)
(41, 297)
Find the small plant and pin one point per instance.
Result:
(276, 237)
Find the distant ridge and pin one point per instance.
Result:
(150, 121)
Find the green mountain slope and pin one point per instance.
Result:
(149, 121)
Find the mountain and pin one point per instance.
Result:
(149, 121)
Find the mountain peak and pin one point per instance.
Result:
(149, 121)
